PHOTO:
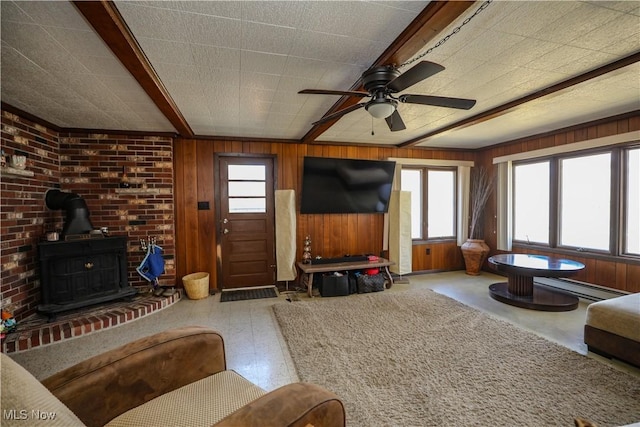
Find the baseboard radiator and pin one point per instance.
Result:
(582, 290)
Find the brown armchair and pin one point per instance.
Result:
(177, 377)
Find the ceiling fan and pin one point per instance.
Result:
(381, 83)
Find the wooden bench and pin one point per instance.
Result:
(309, 269)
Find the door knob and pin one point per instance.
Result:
(225, 231)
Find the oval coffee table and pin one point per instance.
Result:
(520, 291)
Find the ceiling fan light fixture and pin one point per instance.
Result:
(381, 109)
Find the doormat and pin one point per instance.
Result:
(244, 294)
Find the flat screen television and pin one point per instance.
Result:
(335, 185)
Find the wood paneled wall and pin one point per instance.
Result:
(332, 235)
(437, 256)
(620, 273)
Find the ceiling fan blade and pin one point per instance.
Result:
(334, 92)
(414, 75)
(338, 114)
(395, 122)
(438, 101)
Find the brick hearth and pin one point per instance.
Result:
(37, 331)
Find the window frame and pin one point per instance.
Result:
(424, 208)
(624, 201)
(552, 222)
(618, 202)
(613, 223)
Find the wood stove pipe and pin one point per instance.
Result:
(76, 211)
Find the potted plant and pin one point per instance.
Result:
(475, 250)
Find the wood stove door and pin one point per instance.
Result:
(246, 221)
(78, 273)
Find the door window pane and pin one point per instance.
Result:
(411, 180)
(247, 188)
(632, 225)
(585, 201)
(531, 202)
(247, 172)
(440, 203)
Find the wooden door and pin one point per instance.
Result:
(246, 221)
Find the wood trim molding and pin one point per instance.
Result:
(110, 26)
(510, 106)
(428, 24)
(597, 122)
(605, 141)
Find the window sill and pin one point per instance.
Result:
(434, 241)
(629, 259)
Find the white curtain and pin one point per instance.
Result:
(285, 204)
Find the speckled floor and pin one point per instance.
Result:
(256, 349)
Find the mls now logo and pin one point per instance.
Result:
(23, 414)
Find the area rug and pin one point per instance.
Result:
(244, 294)
(418, 358)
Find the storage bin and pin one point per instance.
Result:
(196, 285)
(374, 283)
(334, 286)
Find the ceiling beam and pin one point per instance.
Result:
(427, 25)
(513, 105)
(110, 26)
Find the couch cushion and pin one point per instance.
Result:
(26, 402)
(202, 403)
(620, 316)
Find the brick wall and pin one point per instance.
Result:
(23, 215)
(90, 165)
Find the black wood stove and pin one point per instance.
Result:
(84, 268)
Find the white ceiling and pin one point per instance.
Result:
(234, 68)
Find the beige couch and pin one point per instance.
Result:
(174, 378)
(612, 328)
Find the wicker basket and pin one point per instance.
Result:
(196, 285)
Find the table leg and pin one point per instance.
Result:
(520, 285)
(310, 285)
(390, 282)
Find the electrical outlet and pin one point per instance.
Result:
(428, 250)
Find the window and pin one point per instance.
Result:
(531, 202)
(247, 189)
(632, 202)
(433, 202)
(587, 201)
(441, 212)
